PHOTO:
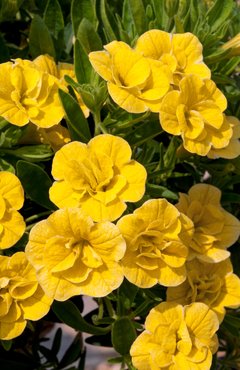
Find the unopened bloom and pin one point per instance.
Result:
(177, 338)
(181, 53)
(196, 113)
(134, 83)
(233, 45)
(12, 225)
(155, 251)
(46, 63)
(99, 177)
(214, 228)
(72, 255)
(55, 136)
(213, 284)
(232, 150)
(29, 95)
(21, 297)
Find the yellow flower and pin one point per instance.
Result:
(177, 338)
(155, 251)
(213, 284)
(27, 94)
(196, 113)
(55, 136)
(72, 255)
(21, 297)
(233, 45)
(46, 63)
(181, 53)
(232, 150)
(99, 177)
(134, 83)
(12, 225)
(215, 228)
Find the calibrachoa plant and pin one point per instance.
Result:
(119, 180)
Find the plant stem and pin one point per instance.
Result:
(36, 217)
(99, 126)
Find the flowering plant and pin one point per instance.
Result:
(119, 181)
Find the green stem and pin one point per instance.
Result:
(132, 122)
(99, 127)
(109, 307)
(100, 308)
(36, 217)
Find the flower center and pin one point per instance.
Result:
(205, 289)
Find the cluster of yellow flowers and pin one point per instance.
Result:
(165, 73)
(79, 249)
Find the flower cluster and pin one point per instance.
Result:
(21, 297)
(95, 240)
(173, 336)
(12, 225)
(165, 73)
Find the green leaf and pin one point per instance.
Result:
(134, 15)
(178, 24)
(36, 183)
(218, 13)
(10, 135)
(68, 37)
(158, 191)
(68, 313)
(230, 66)
(88, 37)
(217, 56)
(83, 9)
(100, 340)
(73, 352)
(47, 353)
(160, 14)
(7, 344)
(170, 155)
(128, 293)
(6, 166)
(83, 67)
(77, 123)
(230, 198)
(109, 23)
(171, 7)
(123, 335)
(31, 153)
(143, 132)
(53, 17)
(40, 41)
(233, 320)
(57, 341)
